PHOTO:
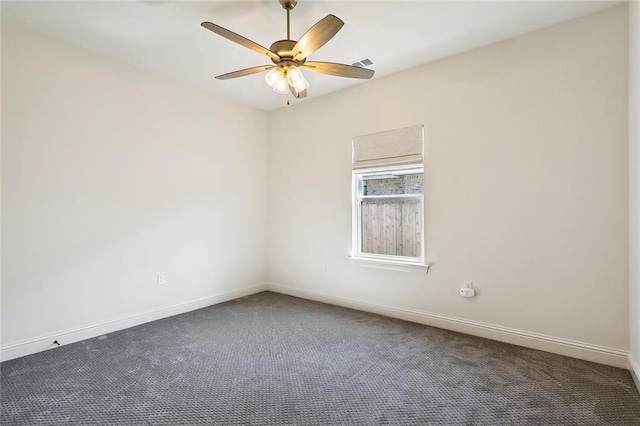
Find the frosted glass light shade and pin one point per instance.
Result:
(273, 75)
(280, 85)
(296, 79)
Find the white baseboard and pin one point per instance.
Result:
(557, 345)
(41, 343)
(572, 348)
(634, 369)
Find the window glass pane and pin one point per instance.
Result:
(392, 226)
(390, 184)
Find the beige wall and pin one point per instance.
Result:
(526, 185)
(634, 188)
(111, 175)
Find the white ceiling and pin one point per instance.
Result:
(165, 37)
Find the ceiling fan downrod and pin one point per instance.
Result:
(288, 5)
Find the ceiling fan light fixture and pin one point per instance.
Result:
(296, 79)
(280, 83)
(273, 75)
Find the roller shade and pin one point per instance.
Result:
(390, 148)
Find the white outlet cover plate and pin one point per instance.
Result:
(467, 292)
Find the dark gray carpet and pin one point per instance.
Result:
(271, 359)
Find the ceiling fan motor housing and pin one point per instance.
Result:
(284, 49)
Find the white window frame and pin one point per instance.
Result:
(394, 262)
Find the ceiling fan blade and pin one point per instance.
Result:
(246, 71)
(316, 36)
(237, 38)
(340, 70)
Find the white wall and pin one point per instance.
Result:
(526, 188)
(111, 175)
(634, 187)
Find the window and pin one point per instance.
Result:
(388, 214)
(388, 188)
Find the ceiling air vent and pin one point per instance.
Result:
(363, 63)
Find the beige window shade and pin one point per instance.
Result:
(390, 148)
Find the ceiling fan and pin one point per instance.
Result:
(289, 56)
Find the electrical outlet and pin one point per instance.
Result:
(467, 292)
(160, 279)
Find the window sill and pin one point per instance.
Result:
(394, 265)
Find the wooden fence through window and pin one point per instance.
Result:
(392, 227)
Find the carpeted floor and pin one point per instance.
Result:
(270, 359)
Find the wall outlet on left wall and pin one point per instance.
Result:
(161, 279)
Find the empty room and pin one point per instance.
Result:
(287, 212)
